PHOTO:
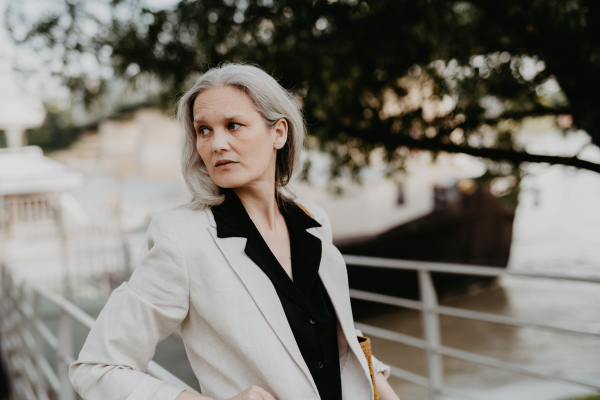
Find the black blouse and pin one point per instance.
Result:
(304, 300)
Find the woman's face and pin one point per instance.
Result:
(233, 140)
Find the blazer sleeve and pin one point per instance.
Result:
(138, 315)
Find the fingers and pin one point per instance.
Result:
(254, 393)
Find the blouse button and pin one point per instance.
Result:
(312, 321)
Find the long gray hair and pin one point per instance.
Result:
(271, 100)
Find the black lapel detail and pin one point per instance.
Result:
(306, 254)
(232, 220)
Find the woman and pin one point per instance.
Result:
(250, 277)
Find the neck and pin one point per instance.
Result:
(260, 205)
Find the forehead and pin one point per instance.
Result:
(221, 101)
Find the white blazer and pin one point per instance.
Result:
(231, 320)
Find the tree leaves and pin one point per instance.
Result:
(374, 74)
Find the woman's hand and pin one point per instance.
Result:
(191, 396)
(253, 393)
(384, 389)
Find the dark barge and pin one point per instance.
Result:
(463, 228)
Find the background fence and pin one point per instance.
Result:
(38, 353)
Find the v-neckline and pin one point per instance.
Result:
(264, 243)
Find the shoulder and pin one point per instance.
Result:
(181, 214)
(180, 230)
(312, 208)
(318, 214)
(180, 223)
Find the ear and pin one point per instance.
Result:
(280, 130)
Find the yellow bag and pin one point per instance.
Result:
(365, 345)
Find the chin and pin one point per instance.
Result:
(236, 180)
(230, 183)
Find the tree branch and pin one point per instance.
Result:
(513, 156)
(519, 115)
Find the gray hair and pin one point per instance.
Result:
(271, 100)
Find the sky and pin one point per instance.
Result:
(18, 105)
(38, 84)
(6, 75)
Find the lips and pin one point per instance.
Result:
(224, 163)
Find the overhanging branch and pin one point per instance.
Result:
(512, 156)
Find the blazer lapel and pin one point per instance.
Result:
(340, 296)
(262, 291)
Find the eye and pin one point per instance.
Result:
(203, 131)
(232, 126)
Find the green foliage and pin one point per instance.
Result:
(445, 75)
(592, 397)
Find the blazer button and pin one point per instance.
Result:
(320, 364)
(312, 321)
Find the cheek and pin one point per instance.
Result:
(262, 146)
(203, 150)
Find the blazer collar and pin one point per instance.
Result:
(232, 244)
(294, 210)
(231, 218)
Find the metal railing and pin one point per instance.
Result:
(431, 310)
(38, 358)
(26, 339)
(71, 247)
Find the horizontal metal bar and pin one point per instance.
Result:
(408, 376)
(31, 371)
(467, 314)
(25, 369)
(51, 377)
(76, 313)
(385, 299)
(390, 335)
(491, 362)
(501, 319)
(66, 359)
(27, 391)
(454, 392)
(26, 310)
(28, 340)
(47, 334)
(557, 276)
(80, 316)
(41, 394)
(378, 262)
(159, 372)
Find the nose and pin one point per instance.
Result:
(220, 141)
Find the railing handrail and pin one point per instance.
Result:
(72, 312)
(465, 269)
(431, 310)
(154, 369)
(428, 305)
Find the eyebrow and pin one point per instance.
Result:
(227, 118)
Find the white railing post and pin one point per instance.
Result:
(431, 329)
(20, 382)
(68, 270)
(3, 229)
(38, 352)
(64, 352)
